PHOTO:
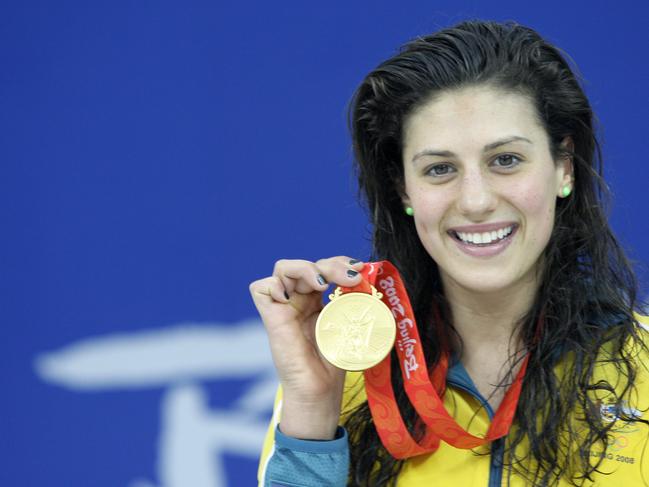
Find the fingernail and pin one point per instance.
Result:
(354, 261)
(321, 280)
(285, 294)
(351, 273)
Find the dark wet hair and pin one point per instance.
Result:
(588, 289)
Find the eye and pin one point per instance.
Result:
(507, 161)
(440, 170)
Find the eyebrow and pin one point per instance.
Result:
(486, 148)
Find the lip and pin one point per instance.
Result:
(483, 227)
(489, 250)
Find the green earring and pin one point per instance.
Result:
(566, 191)
(409, 211)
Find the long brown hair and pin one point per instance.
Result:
(588, 289)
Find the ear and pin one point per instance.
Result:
(565, 167)
(401, 190)
(405, 199)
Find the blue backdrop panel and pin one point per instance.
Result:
(157, 157)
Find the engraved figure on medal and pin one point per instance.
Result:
(354, 338)
(355, 331)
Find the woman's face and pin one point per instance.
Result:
(483, 186)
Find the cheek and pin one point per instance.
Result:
(430, 210)
(537, 204)
(430, 206)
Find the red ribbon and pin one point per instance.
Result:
(424, 390)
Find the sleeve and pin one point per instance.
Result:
(291, 462)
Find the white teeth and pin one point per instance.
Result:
(485, 237)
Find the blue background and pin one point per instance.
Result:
(157, 157)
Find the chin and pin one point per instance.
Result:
(493, 281)
(489, 287)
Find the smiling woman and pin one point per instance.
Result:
(492, 181)
(477, 157)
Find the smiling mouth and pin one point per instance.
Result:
(484, 239)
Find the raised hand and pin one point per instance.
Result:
(289, 302)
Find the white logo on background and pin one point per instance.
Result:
(193, 437)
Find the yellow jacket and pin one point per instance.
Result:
(291, 462)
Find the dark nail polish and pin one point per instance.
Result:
(351, 273)
(321, 280)
(354, 261)
(285, 294)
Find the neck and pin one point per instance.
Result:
(487, 325)
(484, 319)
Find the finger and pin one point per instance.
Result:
(355, 264)
(341, 270)
(343, 260)
(265, 291)
(300, 276)
(305, 277)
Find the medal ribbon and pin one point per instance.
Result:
(423, 390)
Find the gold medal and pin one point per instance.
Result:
(355, 331)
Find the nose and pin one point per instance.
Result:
(476, 197)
